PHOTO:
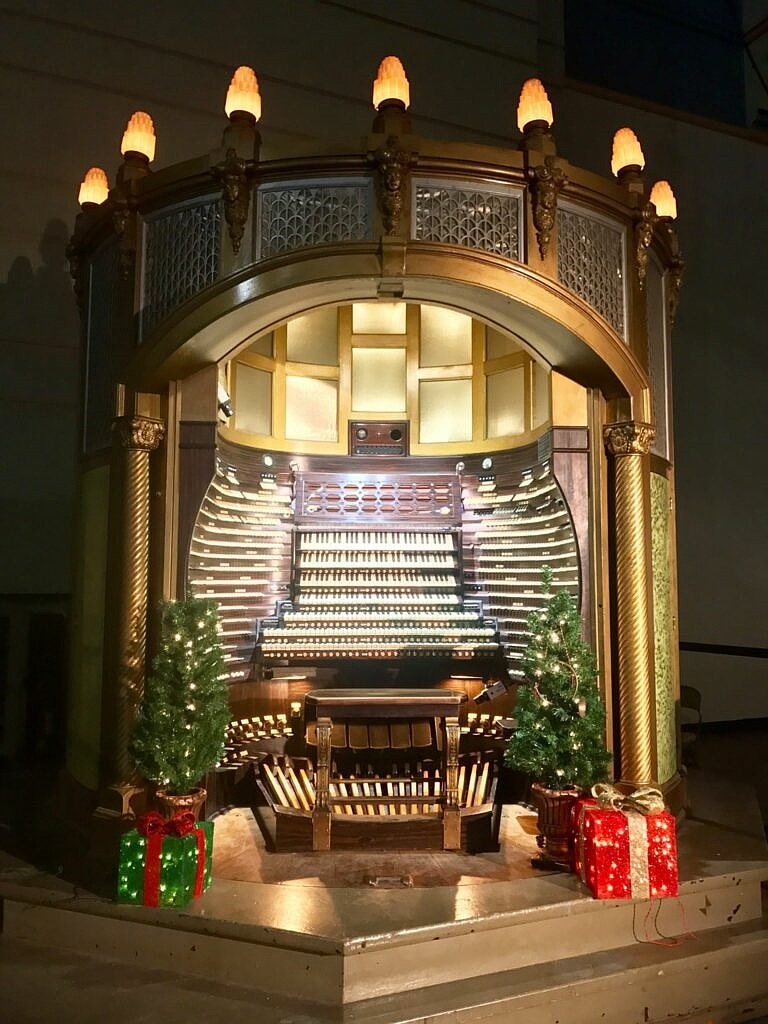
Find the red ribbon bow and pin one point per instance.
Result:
(154, 827)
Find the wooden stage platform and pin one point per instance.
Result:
(384, 939)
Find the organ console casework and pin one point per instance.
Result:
(382, 576)
(360, 413)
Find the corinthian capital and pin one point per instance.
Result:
(629, 438)
(140, 432)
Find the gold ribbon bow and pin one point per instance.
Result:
(645, 800)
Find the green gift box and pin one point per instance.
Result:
(165, 863)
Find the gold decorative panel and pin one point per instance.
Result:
(666, 740)
(313, 338)
(253, 400)
(311, 409)
(378, 380)
(446, 337)
(541, 383)
(263, 346)
(498, 344)
(505, 402)
(446, 411)
(378, 318)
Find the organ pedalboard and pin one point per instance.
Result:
(374, 593)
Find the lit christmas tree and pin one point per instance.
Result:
(179, 731)
(560, 735)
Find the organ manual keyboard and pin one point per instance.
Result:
(377, 575)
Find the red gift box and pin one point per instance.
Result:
(625, 854)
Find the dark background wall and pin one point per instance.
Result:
(72, 71)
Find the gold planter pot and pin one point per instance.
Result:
(169, 803)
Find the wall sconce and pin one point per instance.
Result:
(139, 137)
(460, 467)
(663, 198)
(391, 86)
(627, 160)
(534, 111)
(240, 147)
(94, 188)
(267, 460)
(243, 97)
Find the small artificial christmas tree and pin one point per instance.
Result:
(179, 730)
(560, 735)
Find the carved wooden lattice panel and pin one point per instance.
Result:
(366, 497)
(297, 216)
(476, 218)
(99, 396)
(181, 257)
(590, 262)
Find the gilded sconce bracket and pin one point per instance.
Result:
(233, 175)
(644, 224)
(675, 266)
(124, 223)
(77, 270)
(392, 164)
(676, 269)
(546, 181)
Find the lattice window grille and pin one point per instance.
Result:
(591, 262)
(99, 397)
(469, 214)
(658, 367)
(298, 215)
(181, 257)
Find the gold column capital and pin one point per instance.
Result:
(628, 438)
(139, 432)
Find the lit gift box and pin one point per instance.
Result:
(165, 863)
(623, 849)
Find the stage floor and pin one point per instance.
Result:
(240, 855)
(481, 937)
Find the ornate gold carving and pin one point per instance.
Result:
(547, 180)
(676, 268)
(644, 224)
(232, 173)
(77, 271)
(321, 815)
(392, 164)
(137, 432)
(629, 438)
(124, 223)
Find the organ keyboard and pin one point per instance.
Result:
(364, 593)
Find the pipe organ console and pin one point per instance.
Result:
(419, 571)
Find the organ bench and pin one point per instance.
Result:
(450, 807)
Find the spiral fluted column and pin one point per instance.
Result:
(629, 444)
(138, 437)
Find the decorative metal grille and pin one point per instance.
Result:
(299, 215)
(657, 358)
(590, 262)
(99, 397)
(476, 218)
(181, 257)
